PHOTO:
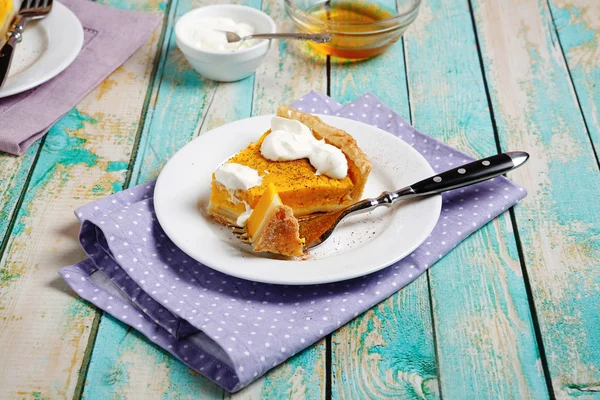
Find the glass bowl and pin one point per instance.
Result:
(361, 29)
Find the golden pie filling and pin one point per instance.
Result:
(6, 15)
(287, 189)
(295, 181)
(272, 226)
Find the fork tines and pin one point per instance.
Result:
(240, 233)
(35, 7)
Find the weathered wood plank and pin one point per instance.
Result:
(177, 115)
(485, 338)
(578, 28)
(289, 70)
(389, 351)
(301, 377)
(180, 97)
(13, 178)
(536, 110)
(44, 329)
(123, 358)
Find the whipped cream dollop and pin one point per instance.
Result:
(205, 33)
(236, 176)
(292, 140)
(242, 220)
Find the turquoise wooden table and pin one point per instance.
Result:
(511, 313)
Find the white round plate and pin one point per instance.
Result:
(49, 46)
(360, 245)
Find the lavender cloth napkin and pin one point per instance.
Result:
(230, 330)
(111, 36)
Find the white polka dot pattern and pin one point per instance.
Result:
(256, 326)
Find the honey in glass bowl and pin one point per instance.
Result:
(361, 29)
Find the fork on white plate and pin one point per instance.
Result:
(318, 227)
(29, 10)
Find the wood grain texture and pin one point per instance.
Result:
(178, 103)
(13, 179)
(578, 27)
(44, 328)
(485, 337)
(176, 115)
(388, 352)
(536, 111)
(302, 377)
(125, 365)
(289, 71)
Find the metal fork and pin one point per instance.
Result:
(30, 10)
(318, 227)
(233, 37)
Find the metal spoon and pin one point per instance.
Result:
(233, 37)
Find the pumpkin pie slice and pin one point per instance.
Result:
(6, 16)
(239, 184)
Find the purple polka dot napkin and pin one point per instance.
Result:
(231, 330)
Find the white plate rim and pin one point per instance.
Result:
(160, 205)
(64, 52)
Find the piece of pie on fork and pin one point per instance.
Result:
(268, 194)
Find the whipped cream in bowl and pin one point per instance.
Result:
(199, 36)
(207, 33)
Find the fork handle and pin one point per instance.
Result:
(15, 35)
(470, 173)
(6, 55)
(464, 175)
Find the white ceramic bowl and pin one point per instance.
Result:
(226, 66)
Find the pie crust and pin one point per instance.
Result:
(280, 234)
